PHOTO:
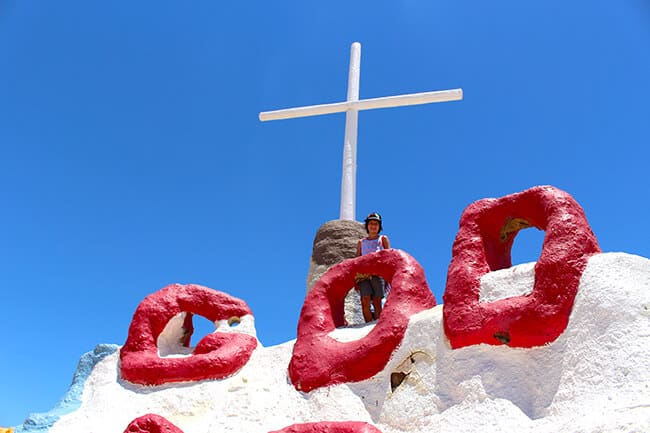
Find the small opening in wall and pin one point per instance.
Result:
(202, 327)
(527, 246)
(234, 321)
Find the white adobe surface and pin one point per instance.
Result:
(594, 378)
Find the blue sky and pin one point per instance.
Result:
(131, 156)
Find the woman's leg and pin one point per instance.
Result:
(365, 308)
(378, 285)
(365, 290)
(376, 304)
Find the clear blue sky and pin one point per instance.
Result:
(131, 155)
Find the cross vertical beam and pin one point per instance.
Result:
(349, 175)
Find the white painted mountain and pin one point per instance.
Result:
(594, 378)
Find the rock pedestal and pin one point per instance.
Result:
(334, 242)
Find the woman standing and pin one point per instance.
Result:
(371, 287)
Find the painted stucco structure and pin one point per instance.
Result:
(216, 356)
(483, 243)
(556, 345)
(318, 359)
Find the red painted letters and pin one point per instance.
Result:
(151, 423)
(483, 243)
(216, 356)
(330, 427)
(318, 359)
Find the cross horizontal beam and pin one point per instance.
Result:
(364, 104)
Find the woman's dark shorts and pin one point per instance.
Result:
(373, 287)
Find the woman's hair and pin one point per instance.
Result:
(373, 217)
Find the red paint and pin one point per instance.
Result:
(319, 360)
(330, 427)
(217, 355)
(151, 423)
(534, 319)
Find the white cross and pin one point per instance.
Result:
(352, 107)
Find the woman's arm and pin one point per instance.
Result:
(385, 242)
(359, 248)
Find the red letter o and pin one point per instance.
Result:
(318, 359)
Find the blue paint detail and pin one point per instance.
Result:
(71, 401)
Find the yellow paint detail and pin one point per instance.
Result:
(513, 225)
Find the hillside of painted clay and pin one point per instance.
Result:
(557, 345)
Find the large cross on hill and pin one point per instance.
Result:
(352, 107)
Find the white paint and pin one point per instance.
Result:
(365, 104)
(349, 171)
(170, 340)
(352, 106)
(593, 378)
(500, 284)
